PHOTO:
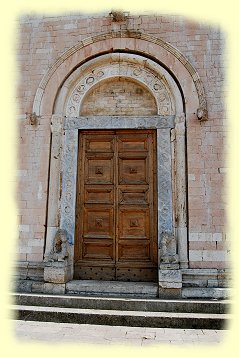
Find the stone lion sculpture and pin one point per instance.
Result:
(168, 248)
(59, 252)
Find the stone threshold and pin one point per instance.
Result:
(112, 288)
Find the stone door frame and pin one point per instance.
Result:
(67, 130)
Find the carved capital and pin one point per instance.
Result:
(57, 124)
(180, 118)
(180, 125)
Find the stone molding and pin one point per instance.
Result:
(202, 108)
(127, 66)
(119, 122)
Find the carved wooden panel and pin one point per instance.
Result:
(134, 223)
(133, 169)
(99, 169)
(133, 143)
(98, 221)
(97, 250)
(133, 196)
(133, 250)
(96, 194)
(116, 229)
(100, 144)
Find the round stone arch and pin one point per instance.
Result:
(155, 78)
(170, 125)
(135, 42)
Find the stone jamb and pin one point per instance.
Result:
(181, 187)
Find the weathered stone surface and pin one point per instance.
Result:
(170, 275)
(68, 199)
(50, 288)
(170, 285)
(213, 293)
(170, 279)
(56, 274)
(165, 182)
(37, 287)
(60, 250)
(168, 256)
(24, 286)
(112, 288)
(119, 122)
(169, 293)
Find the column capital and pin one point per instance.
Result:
(180, 125)
(57, 123)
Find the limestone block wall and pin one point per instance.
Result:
(42, 40)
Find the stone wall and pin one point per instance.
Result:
(42, 40)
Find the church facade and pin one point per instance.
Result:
(121, 154)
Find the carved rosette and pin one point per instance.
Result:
(156, 84)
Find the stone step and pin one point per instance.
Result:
(112, 288)
(122, 304)
(121, 318)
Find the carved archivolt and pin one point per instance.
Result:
(141, 37)
(120, 65)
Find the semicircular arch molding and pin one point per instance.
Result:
(172, 59)
(137, 68)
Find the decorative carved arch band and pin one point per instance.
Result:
(134, 41)
(137, 68)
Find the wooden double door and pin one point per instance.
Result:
(116, 220)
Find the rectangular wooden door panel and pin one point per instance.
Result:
(99, 250)
(134, 249)
(133, 143)
(99, 143)
(129, 195)
(98, 222)
(133, 223)
(99, 194)
(99, 169)
(94, 272)
(133, 169)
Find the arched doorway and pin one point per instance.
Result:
(120, 111)
(168, 125)
(116, 220)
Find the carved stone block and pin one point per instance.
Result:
(56, 274)
(168, 251)
(170, 275)
(170, 279)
